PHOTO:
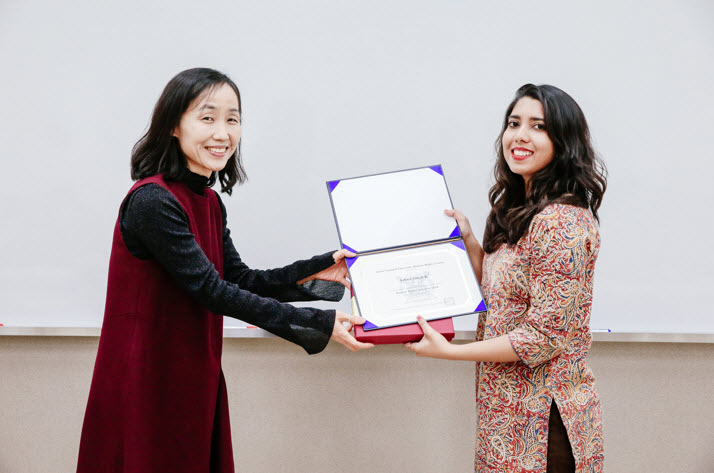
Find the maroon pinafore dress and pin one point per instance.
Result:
(158, 399)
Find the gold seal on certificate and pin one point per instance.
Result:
(410, 258)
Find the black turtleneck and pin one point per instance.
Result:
(154, 225)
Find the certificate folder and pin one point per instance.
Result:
(411, 259)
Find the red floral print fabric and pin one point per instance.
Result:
(539, 293)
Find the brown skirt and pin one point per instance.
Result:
(560, 453)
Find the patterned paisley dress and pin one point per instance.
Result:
(539, 293)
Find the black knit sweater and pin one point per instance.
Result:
(154, 225)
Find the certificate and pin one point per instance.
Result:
(411, 259)
(434, 281)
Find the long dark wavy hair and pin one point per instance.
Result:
(575, 176)
(159, 152)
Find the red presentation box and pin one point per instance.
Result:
(403, 333)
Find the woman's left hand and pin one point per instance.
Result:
(341, 333)
(337, 272)
(433, 345)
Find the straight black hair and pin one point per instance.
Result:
(159, 152)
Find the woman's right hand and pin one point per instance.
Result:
(341, 333)
(473, 247)
(464, 224)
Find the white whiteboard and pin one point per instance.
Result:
(336, 89)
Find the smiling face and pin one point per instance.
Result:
(210, 130)
(526, 145)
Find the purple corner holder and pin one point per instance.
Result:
(350, 261)
(455, 233)
(332, 185)
(437, 169)
(459, 244)
(481, 307)
(369, 325)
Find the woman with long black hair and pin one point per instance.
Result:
(538, 408)
(158, 398)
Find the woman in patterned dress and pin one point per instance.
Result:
(538, 408)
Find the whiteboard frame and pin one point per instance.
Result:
(461, 335)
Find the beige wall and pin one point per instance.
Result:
(377, 411)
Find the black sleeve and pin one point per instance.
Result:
(280, 283)
(154, 220)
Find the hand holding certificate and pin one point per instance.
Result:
(335, 273)
(341, 333)
(410, 257)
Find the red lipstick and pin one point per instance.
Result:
(521, 157)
